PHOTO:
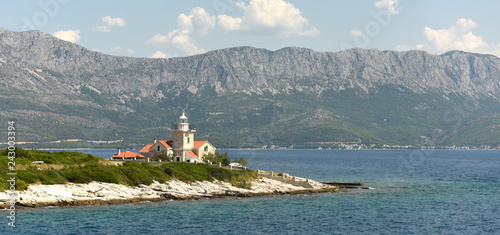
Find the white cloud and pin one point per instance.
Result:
(68, 35)
(120, 22)
(457, 37)
(355, 33)
(272, 17)
(110, 22)
(198, 21)
(130, 51)
(390, 5)
(228, 23)
(182, 40)
(196, 24)
(268, 16)
(95, 49)
(158, 38)
(159, 54)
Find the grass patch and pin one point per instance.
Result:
(25, 157)
(85, 168)
(188, 172)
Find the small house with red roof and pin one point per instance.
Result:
(127, 155)
(183, 147)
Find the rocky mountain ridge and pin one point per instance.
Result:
(248, 69)
(245, 96)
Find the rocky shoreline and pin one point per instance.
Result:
(98, 193)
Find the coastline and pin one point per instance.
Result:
(98, 193)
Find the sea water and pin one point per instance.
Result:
(411, 192)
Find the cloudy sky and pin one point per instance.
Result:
(180, 28)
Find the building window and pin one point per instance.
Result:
(188, 160)
(188, 139)
(158, 148)
(178, 159)
(206, 148)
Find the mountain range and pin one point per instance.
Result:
(247, 97)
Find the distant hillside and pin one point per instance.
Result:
(245, 96)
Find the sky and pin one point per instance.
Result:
(163, 29)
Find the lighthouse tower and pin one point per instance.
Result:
(183, 134)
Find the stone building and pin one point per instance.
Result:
(183, 147)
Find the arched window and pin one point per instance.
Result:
(188, 139)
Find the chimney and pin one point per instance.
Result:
(119, 151)
(154, 141)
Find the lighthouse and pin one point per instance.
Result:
(183, 147)
(183, 139)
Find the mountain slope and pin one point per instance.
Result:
(244, 95)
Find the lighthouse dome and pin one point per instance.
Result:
(183, 119)
(183, 116)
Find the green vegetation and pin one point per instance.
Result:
(222, 158)
(163, 157)
(189, 172)
(25, 157)
(63, 167)
(241, 161)
(387, 114)
(484, 131)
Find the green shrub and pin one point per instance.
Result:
(25, 157)
(136, 173)
(169, 171)
(102, 173)
(21, 185)
(29, 176)
(52, 177)
(4, 185)
(241, 161)
(221, 175)
(243, 178)
(75, 175)
(164, 157)
(188, 172)
(217, 158)
(85, 168)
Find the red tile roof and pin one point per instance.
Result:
(192, 154)
(127, 154)
(166, 143)
(198, 143)
(146, 148)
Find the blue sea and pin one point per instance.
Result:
(415, 192)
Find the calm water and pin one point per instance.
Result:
(417, 192)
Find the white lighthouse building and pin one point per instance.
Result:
(183, 147)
